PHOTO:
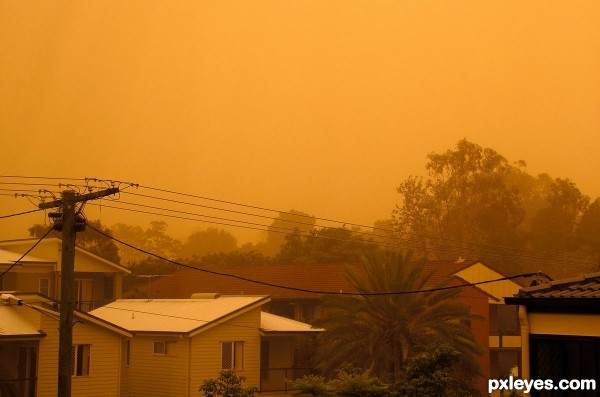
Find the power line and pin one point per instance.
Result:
(20, 213)
(262, 226)
(42, 177)
(399, 242)
(458, 244)
(224, 209)
(289, 232)
(216, 322)
(25, 254)
(309, 290)
(27, 184)
(184, 318)
(444, 245)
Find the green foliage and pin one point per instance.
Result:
(325, 245)
(209, 241)
(234, 258)
(553, 228)
(588, 231)
(135, 285)
(312, 385)
(381, 333)
(228, 384)
(279, 229)
(89, 239)
(465, 197)
(349, 382)
(472, 203)
(433, 373)
(153, 239)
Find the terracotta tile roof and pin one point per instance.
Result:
(587, 286)
(313, 277)
(324, 277)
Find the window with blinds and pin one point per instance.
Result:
(80, 360)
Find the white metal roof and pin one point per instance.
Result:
(13, 324)
(175, 315)
(271, 323)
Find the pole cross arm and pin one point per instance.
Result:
(81, 197)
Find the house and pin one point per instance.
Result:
(97, 280)
(29, 350)
(178, 343)
(498, 333)
(560, 331)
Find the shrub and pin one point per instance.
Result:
(228, 384)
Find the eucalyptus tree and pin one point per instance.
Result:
(465, 197)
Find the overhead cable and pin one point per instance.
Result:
(26, 252)
(20, 213)
(231, 275)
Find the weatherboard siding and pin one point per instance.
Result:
(105, 356)
(47, 382)
(154, 375)
(206, 350)
(124, 388)
(103, 380)
(30, 281)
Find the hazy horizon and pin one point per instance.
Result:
(321, 107)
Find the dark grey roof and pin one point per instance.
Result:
(587, 286)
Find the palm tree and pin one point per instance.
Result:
(381, 332)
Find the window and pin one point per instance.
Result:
(164, 348)
(84, 290)
(565, 357)
(232, 355)
(109, 287)
(504, 320)
(80, 360)
(44, 287)
(160, 347)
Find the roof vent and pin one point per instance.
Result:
(205, 295)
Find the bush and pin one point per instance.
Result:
(432, 373)
(228, 384)
(349, 382)
(314, 386)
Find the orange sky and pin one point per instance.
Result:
(320, 106)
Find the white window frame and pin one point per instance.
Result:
(160, 351)
(81, 360)
(232, 355)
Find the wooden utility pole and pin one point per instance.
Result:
(67, 279)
